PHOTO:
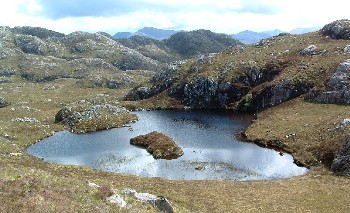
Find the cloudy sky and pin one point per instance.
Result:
(224, 16)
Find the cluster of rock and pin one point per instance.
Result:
(312, 50)
(339, 29)
(85, 116)
(26, 120)
(126, 198)
(338, 87)
(158, 145)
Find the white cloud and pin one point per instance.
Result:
(217, 15)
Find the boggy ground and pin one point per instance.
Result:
(28, 184)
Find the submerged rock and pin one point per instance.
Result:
(158, 145)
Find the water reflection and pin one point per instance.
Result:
(207, 139)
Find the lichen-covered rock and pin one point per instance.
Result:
(347, 49)
(339, 29)
(341, 78)
(158, 145)
(88, 117)
(31, 44)
(3, 102)
(159, 202)
(309, 50)
(338, 87)
(4, 71)
(341, 163)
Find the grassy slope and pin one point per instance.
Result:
(27, 183)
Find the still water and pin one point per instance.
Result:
(211, 151)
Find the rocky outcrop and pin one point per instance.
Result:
(31, 44)
(338, 87)
(158, 145)
(39, 32)
(3, 102)
(341, 163)
(206, 92)
(329, 97)
(267, 95)
(340, 80)
(4, 71)
(160, 81)
(339, 29)
(309, 50)
(87, 117)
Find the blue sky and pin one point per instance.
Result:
(225, 16)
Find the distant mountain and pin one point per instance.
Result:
(149, 32)
(155, 33)
(122, 35)
(250, 37)
(304, 30)
(193, 43)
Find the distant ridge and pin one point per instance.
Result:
(251, 37)
(180, 45)
(246, 36)
(149, 32)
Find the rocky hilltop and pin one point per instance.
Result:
(39, 55)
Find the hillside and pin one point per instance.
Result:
(151, 48)
(295, 86)
(195, 43)
(181, 45)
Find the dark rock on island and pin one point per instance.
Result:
(158, 145)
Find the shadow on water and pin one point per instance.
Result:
(211, 150)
